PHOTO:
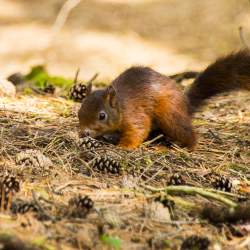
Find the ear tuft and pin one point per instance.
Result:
(111, 96)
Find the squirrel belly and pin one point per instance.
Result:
(140, 98)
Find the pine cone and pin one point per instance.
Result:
(78, 92)
(36, 160)
(50, 89)
(10, 183)
(107, 165)
(8, 187)
(195, 242)
(176, 179)
(22, 207)
(80, 206)
(224, 184)
(80, 201)
(89, 143)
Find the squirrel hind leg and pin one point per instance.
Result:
(133, 133)
(177, 127)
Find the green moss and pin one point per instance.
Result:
(41, 78)
(112, 241)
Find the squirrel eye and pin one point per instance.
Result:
(102, 116)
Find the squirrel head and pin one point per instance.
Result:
(99, 113)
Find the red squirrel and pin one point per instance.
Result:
(140, 100)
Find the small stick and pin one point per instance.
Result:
(153, 140)
(226, 193)
(89, 81)
(216, 137)
(76, 75)
(59, 189)
(92, 78)
(63, 15)
(242, 38)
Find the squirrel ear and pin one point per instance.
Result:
(111, 96)
(88, 88)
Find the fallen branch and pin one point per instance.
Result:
(193, 191)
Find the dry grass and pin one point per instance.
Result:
(123, 203)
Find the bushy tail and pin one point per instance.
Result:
(226, 74)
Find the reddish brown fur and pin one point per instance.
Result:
(141, 100)
(147, 100)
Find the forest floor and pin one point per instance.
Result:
(131, 209)
(141, 207)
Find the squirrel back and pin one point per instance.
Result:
(225, 74)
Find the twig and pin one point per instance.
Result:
(192, 191)
(59, 189)
(153, 140)
(59, 23)
(215, 136)
(92, 78)
(63, 15)
(226, 193)
(184, 75)
(76, 75)
(242, 38)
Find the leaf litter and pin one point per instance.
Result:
(157, 200)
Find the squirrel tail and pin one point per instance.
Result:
(225, 74)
